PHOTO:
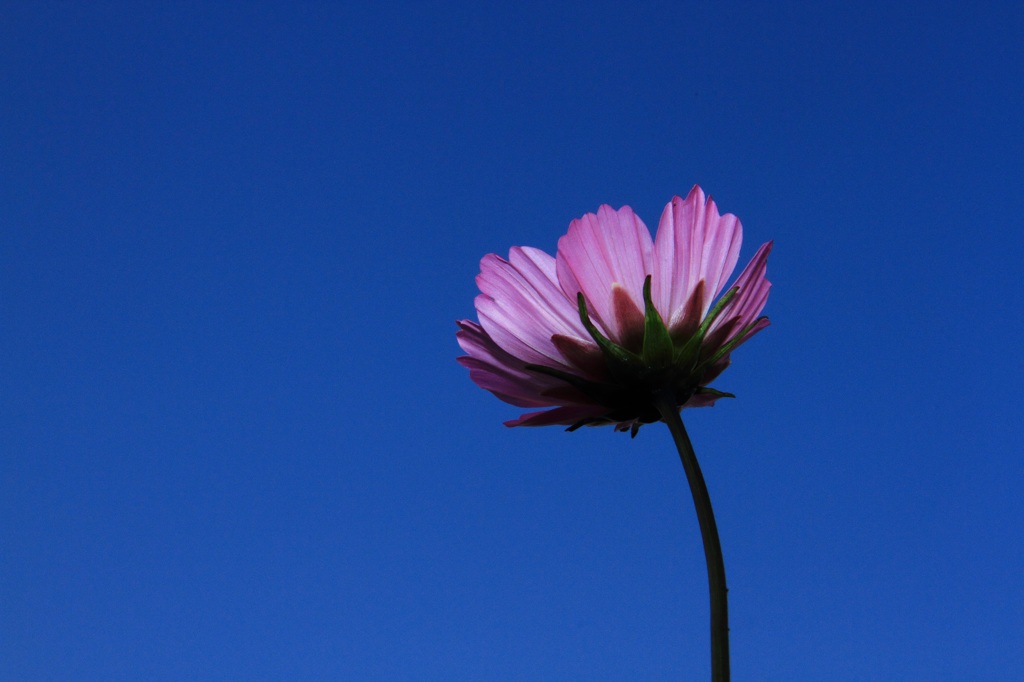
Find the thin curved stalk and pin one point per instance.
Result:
(709, 534)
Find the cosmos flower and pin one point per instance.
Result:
(616, 322)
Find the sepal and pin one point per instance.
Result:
(658, 348)
(687, 357)
(707, 390)
(728, 347)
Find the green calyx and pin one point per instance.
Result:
(658, 349)
(688, 355)
(661, 363)
(659, 366)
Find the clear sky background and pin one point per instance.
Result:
(234, 241)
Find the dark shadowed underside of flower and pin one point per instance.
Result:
(616, 322)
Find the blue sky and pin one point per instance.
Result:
(235, 444)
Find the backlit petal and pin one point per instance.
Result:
(693, 243)
(748, 303)
(600, 250)
(562, 415)
(493, 369)
(522, 309)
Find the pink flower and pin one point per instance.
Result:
(615, 320)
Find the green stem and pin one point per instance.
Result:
(709, 533)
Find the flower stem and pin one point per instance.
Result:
(709, 534)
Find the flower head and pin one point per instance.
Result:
(615, 321)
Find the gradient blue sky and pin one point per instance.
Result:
(235, 444)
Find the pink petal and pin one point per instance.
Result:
(474, 341)
(611, 247)
(539, 270)
(521, 307)
(504, 385)
(720, 337)
(694, 243)
(560, 415)
(752, 296)
(494, 370)
(716, 369)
